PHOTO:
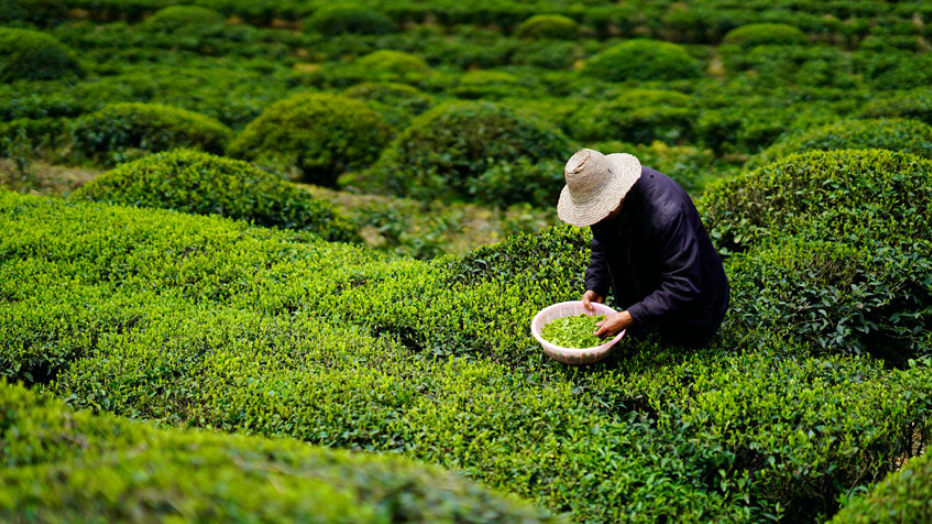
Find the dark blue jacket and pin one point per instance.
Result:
(657, 257)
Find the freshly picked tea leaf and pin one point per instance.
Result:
(574, 332)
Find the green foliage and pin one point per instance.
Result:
(901, 497)
(639, 60)
(338, 18)
(181, 19)
(32, 55)
(316, 135)
(393, 66)
(777, 66)
(753, 35)
(573, 332)
(895, 134)
(66, 466)
(557, 27)
(196, 182)
(397, 103)
(121, 132)
(638, 116)
(475, 150)
(837, 249)
(199, 321)
(913, 105)
(41, 13)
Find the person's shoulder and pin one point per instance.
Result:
(660, 187)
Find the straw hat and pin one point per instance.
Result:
(595, 185)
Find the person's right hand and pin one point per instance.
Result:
(589, 297)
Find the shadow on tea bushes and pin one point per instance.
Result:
(70, 465)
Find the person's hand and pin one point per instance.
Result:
(589, 297)
(613, 324)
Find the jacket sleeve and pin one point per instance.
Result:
(598, 277)
(680, 269)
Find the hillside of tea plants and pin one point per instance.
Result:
(277, 261)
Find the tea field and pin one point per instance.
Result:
(277, 261)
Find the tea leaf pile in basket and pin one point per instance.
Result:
(574, 332)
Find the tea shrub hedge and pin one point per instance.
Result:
(338, 18)
(556, 27)
(71, 466)
(912, 105)
(475, 150)
(895, 134)
(393, 66)
(316, 135)
(638, 60)
(125, 131)
(181, 19)
(197, 182)
(902, 497)
(639, 116)
(33, 55)
(42, 13)
(857, 275)
(753, 35)
(397, 103)
(201, 321)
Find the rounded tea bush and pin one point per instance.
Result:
(350, 18)
(639, 116)
(121, 132)
(33, 55)
(895, 134)
(642, 60)
(915, 105)
(316, 136)
(182, 18)
(901, 497)
(397, 103)
(200, 183)
(753, 35)
(475, 150)
(393, 66)
(557, 27)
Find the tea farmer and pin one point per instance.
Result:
(648, 245)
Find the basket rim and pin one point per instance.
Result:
(573, 351)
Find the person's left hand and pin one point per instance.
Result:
(613, 324)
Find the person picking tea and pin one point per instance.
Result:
(648, 246)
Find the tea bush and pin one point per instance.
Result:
(200, 321)
(397, 103)
(475, 150)
(33, 55)
(338, 18)
(64, 465)
(639, 60)
(42, 13)
(557, 27)
(181, 19)
(776, 66)
(912, 105)
(859, 219)
(753, 35)
(121, 132)
(639, 116)
(393, 66)
(895, 134)
(901, 497)
(316, 136)
(196, 182)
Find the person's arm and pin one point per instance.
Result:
(680, 267)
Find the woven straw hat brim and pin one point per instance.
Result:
(626, 170)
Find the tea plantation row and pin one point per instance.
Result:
(816, 388)
(377, 105)
(65, 466)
